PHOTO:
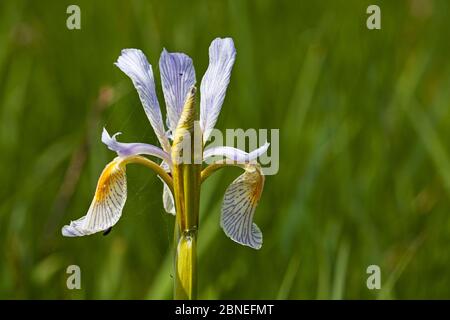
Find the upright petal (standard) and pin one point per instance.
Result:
(215, 82)
(177, 78)
(135, 65)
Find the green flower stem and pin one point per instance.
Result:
(191, 179)
(187, 194)
(186, 180)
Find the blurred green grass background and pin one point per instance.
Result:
(364, 123)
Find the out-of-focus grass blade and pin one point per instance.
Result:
(111, 272)
(289, 277)
(420, 121)
(340, 271)
(304, 91)
(12, 105)
(11, 13)
(46, 269)
(323, 286)
(387, 288)
(431, 141)
(246, 74)
(290, 222)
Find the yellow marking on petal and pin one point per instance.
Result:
(256, 179)
(112, 173)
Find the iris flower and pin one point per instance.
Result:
(181, 169)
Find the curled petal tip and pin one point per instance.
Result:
(69, 231)
(65, 231)
(264, 148)
(105, 136)
(74, 229)
(116, 134)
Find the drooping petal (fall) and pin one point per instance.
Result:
(238, 208)
(131, 149)
(233, 154)
(177, 78)
(106, 207)
(215, 82)
(135, 65)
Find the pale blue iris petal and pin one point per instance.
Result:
(215, 82)
(130, 149)
(234, 154)
(177, 78)
(135, 65)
